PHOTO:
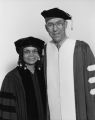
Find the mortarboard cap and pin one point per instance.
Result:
(55, 12)
(29, 41)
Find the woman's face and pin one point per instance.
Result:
(30, 55)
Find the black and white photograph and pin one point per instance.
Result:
(47, 63)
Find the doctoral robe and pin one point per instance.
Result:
(84, 100)
(23, 96)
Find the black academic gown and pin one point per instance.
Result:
(23, 96)
(84, 101)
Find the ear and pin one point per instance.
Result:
(46, 27)
(66, 24)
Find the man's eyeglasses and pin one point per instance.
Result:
(58, 24)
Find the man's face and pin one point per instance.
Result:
(30, 55)
(56, 28)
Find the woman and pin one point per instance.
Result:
(23, 91)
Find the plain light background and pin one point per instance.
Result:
(21, 18)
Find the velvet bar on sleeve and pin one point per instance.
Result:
(7, 106)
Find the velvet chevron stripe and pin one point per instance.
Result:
(7, 108)
(7, 95)
(4, 119)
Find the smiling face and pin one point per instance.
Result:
(56, 29)
(30, 55)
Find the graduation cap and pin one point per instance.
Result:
(29, 41)
(55, 12)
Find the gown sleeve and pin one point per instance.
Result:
(89, 86)
(89, 59)
(8, 100)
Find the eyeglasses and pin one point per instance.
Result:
(30, 51)
(58, 24)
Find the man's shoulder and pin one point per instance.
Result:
(80, 43)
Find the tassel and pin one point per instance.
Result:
(71, 24)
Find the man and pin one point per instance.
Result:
(71, 94)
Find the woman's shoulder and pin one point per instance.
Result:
(12, 73)
(10, 80)
(11, 76)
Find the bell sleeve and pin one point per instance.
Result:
(8, 109)
(89, 83)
